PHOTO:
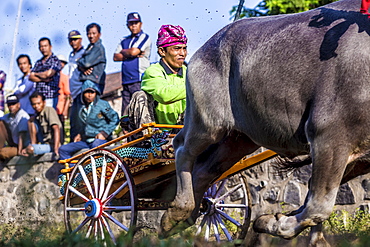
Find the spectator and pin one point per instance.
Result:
(64, 97)
(93, 61)
(25, 87)
(46, 73)
(13, 130)
(165, 80)
(93, 120)
(44, 127)
(134, 52)
(2, 82)
(75, 41)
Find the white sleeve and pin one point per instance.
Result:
(119, 48)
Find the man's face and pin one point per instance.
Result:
(24, 65)
(93, 35)
(45, 48)
(38, 104)
(89, 96)
(76, 44)
(14, 108)
(174, 55)
(134, 26)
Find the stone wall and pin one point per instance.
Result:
(274, 192)
(29, 193)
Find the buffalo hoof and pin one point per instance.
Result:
(172, 222)
(277, 225)
(317, 238)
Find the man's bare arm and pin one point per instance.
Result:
(56, 131)
(42, 76)
(127, 53)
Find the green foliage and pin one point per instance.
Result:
(276, 7)
(343, 222)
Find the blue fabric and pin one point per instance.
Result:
(100, 119)
(24, 90)
(133, 68)
(94, 57)
(66, 151)
(39, 149)
(17, 124)
(74, 74)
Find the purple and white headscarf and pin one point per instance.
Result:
(169, 35)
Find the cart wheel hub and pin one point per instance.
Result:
(207, 206)
(93, 208)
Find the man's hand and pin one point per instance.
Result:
(56, 151)
(141, 54)
(23, 152)
(100, 136)
(77, 138)
(88, 71)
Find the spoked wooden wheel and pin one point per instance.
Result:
(225, 211)
(90, 205)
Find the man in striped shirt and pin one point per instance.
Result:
(134, 52)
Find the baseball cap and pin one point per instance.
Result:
(74, 34)
(62, 58)
(12, 99)
(134, 16)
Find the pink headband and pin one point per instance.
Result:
(169, 35)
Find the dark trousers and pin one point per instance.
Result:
(66, 151)
(127, 92)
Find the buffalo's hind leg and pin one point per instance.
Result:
(329, 162)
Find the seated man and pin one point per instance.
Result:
(44, 127)
(13, 130)
(92, 119)
(163, 81)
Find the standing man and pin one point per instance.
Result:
(134, 52)
(25, 87)
(64, 97)
(93, 121)
(75, 41)
(46, 73)
(13, 130)
(93, 61)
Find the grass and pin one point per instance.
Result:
(348, 230)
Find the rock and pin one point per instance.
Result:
(345, 195)
(366, 185)
(292, 193)
(272, 195)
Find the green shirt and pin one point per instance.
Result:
(167, 89)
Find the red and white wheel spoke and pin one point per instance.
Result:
(97, 186)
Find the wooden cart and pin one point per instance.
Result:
(101, 188)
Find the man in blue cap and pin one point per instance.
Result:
(75, 41)
(134, 52)
(13, 130)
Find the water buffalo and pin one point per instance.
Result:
(297, 84)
